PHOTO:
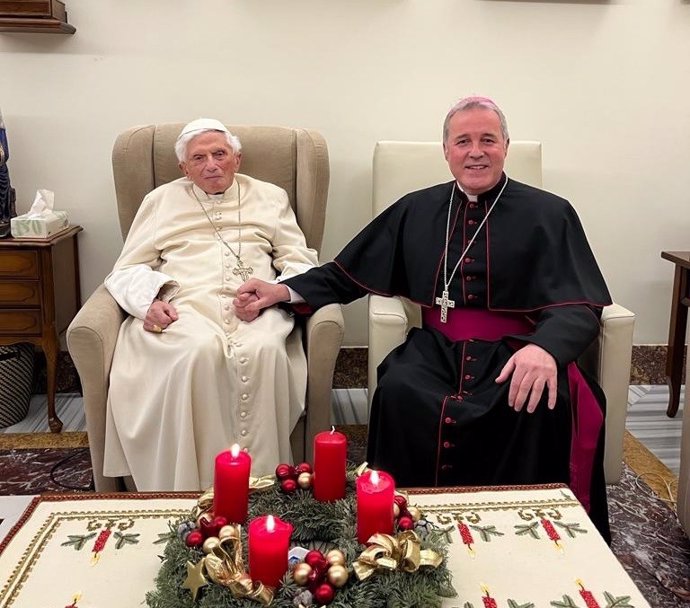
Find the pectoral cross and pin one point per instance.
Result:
(242, 270)
(445, 305)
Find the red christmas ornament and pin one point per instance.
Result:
(219, 521)
(208, 526)
(324, 594)
(194, 539)
(316, 560)
(288, 486)
(285, 471)
(401, 501)
(303, 467)
(405, 522)
(314, 579)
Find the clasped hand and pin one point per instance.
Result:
(255, 295)
(532, 369)
(159, 315)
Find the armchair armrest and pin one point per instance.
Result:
(323, 337)
(615, 354)
(608, 360)
(388, 327)
(91, 341)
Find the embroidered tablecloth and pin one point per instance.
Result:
(510, 548)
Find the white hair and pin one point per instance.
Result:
(183, 141)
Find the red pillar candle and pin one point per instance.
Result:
(269, 541)
(375, 491)
(330, 457)
(231, 485)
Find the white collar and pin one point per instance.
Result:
(229, 194)
(473, 198)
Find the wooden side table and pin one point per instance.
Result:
(39, 296)
(677, 327)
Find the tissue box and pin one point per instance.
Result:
(42, 227)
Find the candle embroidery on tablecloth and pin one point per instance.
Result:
(619, 601)
(75, 599)
(101, 531)
(550, 529)
(486, 533)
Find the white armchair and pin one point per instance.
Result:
(401, 167)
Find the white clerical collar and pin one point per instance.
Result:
(473, 198)
(229, 194)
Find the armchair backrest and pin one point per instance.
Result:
(294, 159)
(405, 166)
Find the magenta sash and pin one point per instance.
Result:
(587, 417)
(477, 323)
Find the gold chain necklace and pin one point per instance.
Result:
(239, 270)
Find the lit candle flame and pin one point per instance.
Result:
(270, 524)
(374, 477)
(235, 450)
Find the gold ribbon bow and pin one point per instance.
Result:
(224, 566)
(401, 552)
(256, 484)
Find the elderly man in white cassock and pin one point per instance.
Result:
(189, 378)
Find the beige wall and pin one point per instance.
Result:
(604, 85)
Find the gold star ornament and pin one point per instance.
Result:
(195, 578)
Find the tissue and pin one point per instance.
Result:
(42, 221)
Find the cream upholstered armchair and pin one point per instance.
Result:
(144, 158)
(401, 167)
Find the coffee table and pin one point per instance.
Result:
(509, 547)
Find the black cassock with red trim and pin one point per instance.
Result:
(438, 417)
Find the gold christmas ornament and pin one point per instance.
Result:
(195, 578)
(304, 480)
(396, 510)
(335, 557)
(300, 573)
(210, 544)
(226, 531)
(337, 575)
(415, 513)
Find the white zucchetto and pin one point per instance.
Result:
(201, 124)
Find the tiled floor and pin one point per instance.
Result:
(646, 420)
(69, 409)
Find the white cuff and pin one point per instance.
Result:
(295, 298)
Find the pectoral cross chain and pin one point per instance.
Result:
(445, 303)
(242, 270)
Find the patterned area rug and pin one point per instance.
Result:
(647, 538)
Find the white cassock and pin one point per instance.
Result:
(209, 380)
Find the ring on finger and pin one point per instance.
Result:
(157, 329)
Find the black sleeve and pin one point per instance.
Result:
(326, 284)
(565, 331)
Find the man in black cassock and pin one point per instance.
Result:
(487, 392)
